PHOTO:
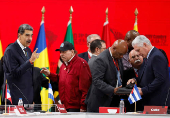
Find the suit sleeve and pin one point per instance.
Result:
(99, 69)
(12, 66)
(159, 66)
(84, 82)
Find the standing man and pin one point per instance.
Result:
(97, 46)
(74, 79)
(18, 64)
(153, 79)
(87, 55)
(106, 78)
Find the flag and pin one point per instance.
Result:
(7, 93)
(106, 34)
(69, 38)
(134, 95)
(42, 61)
(1, 54)
(135, 26)
(50, 92)
(69, 33)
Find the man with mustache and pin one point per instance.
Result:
(73, 80)
(136, 61)
(18, 65)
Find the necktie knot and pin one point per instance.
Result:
(26, 53)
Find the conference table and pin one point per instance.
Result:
(85, 115)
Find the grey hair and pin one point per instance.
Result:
(139, 40)
(92, 35)
(24, 27)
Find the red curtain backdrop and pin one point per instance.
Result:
(88, 18)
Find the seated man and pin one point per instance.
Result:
(136, 61)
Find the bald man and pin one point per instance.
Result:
(130, 36)
(106, 77)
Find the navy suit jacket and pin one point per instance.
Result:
(154, 79)
(18, 72)
(84, 56)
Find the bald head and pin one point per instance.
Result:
(119, 48)
(130, 36)
(135, 59)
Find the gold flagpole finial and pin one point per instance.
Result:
(71, 11)
(136, 14)
(106, 14)
(43, 11)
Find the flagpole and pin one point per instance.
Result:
(135, 106)
(71, 11)
(5, 98)
(136, 14)
(106, 14)
(48, 97)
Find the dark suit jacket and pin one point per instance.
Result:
(18, 72)
(104, 80)
(154, 79)
(38, 80)
(84, 56)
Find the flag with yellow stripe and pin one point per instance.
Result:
(42, 61)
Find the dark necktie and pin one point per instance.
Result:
(26, 53)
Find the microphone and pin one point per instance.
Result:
(167, 97)
(21, 92)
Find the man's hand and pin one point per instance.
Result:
(45, 71)
(115, 90)
(34, 56)
(131, 81)
(82, 110)
(140, 91)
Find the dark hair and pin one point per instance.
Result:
(102, 41)
(164, 54)
(94, 44)
(24, 27)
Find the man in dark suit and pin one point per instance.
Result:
(87, 55)
(97, 46)
(18, 65)
(153, 79)
(105, 76)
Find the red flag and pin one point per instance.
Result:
(106, 34)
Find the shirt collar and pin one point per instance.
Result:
(110, 52)
(69, 60)
(90, 53)
(22, 47)
(149, 52)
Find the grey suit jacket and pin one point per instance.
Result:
(104, 80)
(91, 61)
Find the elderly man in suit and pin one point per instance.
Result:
(18, 65)
(87, 55)
(106, 77)
(153, 78)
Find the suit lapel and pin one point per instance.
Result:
(20, 52)
(145, 64)
(111, 61)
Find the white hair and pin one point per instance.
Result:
(92, 35)
(139, 40)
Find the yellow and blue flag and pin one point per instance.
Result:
(42, 61)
